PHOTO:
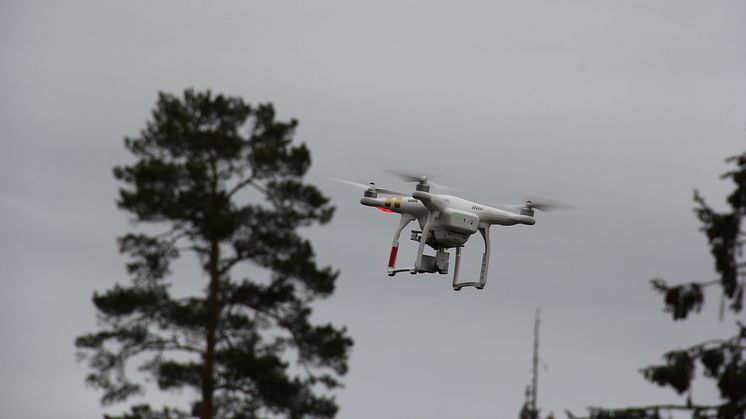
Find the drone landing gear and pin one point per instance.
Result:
(485, 264)
(425, 263)
(392, 270)
(439, 262)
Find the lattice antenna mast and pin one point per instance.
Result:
(535, 365)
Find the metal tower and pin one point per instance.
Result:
(535, 366)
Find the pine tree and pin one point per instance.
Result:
(246, 346)
(722, 360)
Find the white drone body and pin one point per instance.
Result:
(446, 222)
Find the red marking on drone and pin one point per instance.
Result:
(384, 209)
(392, 256)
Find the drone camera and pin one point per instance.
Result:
(428, 264)
(437, 263)
(441, 261)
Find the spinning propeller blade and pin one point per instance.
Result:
(534, 202)
(544, 204)
(408, 176)
(369, 186)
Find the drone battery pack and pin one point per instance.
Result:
(459, 221)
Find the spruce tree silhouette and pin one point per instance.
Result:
(246, 346)
(722, 359)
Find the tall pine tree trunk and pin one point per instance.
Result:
(213, 310)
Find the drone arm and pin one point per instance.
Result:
(405, 219)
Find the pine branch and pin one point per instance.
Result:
(654, 407)
(240, 185)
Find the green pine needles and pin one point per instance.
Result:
(721, 360)
(246, 346)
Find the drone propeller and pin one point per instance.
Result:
(544, 204)
(369, 187)
(531, 203)
(420, 179)
(408, 176)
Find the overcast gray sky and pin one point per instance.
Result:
(619, 108)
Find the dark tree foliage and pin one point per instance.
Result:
(246, 346)
(143, 411)
(722, 360)
(527, 412)
(632, 413)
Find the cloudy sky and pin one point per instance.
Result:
(619, 108)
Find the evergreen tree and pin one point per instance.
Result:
(527, 411)
(722, 360)
(245, 345)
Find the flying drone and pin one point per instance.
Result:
(445, 222)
